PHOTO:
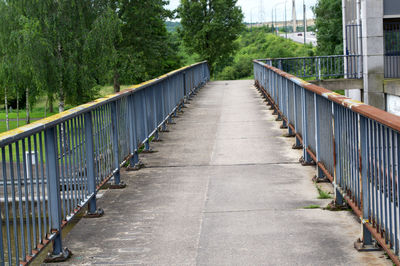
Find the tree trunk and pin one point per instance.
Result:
(61, 96)
(45, 107)
(28, 118)
(6, 106)
(117, 86)
(17, 108)
(61, 99)
(51, 103)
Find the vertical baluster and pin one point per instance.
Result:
(6, 210)
(39, 210)
(20, 206)
(52, 166)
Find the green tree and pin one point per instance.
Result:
(210, 28)
(328, 23)
(147, 49)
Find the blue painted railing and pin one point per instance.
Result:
(53, 168)
(354, 145)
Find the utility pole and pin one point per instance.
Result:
(285, 20)
(294, 15)
(272, 18)
(305, 22)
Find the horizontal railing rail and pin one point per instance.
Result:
(54, 167)
(320, 67)
(354, 145)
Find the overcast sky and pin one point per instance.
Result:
(261, 10)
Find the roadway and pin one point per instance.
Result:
(224, 187)
(300, 39)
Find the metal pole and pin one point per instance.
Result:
(52, 165)
(304, 22)
(272, 20)
(285, 20)
(91, 177)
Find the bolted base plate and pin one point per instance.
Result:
(121, 185)
(297, 147)
(63, 256)
(320, 179)
(98, 213)
(305, 163)
(360, 247)
(333, 206)
(148, 151)
(278, 119)
(283, 127)
(287, 135)
(136, 167)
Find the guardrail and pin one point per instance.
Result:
(54, 167)
(392, 49)
(354, 145)
(320, 67)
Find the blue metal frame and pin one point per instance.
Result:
(358, 154)
(52, 168)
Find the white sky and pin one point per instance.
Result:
(261, 10)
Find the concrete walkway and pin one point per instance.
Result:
(223, 188)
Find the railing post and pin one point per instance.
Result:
(53, 178)
(115, 126)
(306, 157)
(320, 174)
(319, 68)
(366, 239)
(337, 161)
(298, 144)
(90, 167)
(184, 88)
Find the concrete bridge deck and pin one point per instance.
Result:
(223, 188)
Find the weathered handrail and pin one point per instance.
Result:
(320, 67)
(54, 167)
(354, 145)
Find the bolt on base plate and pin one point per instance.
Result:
(63, 256)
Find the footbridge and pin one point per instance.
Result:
(183, 171)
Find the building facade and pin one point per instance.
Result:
(371, 28)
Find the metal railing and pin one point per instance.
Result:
(320, 67)
(392, 49)
(54, 167)
(354, 145)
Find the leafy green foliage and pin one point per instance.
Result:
(258, 43)
(210, 27)
(147, 50)
(328, 22)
